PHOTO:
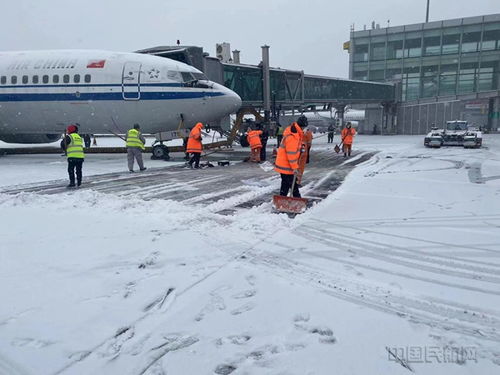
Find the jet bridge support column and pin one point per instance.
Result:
(266, 87)
(340, 108)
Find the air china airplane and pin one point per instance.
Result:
(41, 92)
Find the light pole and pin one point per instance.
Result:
(427, 13)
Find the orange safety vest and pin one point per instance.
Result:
(194, 140)
(289, 151)
(308, 138)
(302, 159)
(347, 135)
(253, 138)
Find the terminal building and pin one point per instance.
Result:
(443, 70)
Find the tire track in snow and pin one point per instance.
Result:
(395, 253)
(480, 326)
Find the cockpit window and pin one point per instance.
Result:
(200, 76)
(193, 80)
(187, 77)
(174, 75)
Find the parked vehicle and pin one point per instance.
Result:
(455, 133)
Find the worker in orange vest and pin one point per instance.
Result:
(287, 160)
(194, 146)
(347, 135)
(253, 137)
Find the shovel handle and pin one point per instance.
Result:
(293, 184)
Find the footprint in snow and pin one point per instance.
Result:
(114, 346)
(302, 317)
(251, 279)
(224, 369)
(233, 339)
(325, 334)
(216, 303)
(243, 308)
(150, 260)
(245, 294)
(33, 343)
(129, 289)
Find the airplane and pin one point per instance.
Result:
(42, 92)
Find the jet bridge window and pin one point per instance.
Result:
(66, 78)
(13, 80)
(55, 78)
(76, 78)
(35, 79)
(25, 80)
(87, 78)
(45, 79)
(3, 80)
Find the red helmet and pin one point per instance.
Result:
(72, 129)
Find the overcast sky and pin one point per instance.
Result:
(303, 35)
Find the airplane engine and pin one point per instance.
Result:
(30, 138)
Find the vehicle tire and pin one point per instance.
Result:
(160, 152)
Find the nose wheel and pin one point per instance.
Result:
(160, 152)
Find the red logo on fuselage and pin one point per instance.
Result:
(96, 64)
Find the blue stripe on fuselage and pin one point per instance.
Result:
(49, 97)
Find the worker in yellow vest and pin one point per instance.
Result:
(135, 145)
(72, 144)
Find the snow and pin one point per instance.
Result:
(404, 255)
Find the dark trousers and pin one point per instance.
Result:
(330, 137)
(286, 185)
(263, 152)
(75, 163)
(347, 149)
(278, 140)
(195, 158)
(308, 154)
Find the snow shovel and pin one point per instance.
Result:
(290, 204)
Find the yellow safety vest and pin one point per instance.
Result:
(133, 139)
(75, 147)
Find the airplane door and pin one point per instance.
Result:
(131, 81)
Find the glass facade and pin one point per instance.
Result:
(431, 59)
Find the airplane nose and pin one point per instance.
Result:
(235, 101)
(229, 101)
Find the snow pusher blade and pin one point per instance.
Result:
(289, 205)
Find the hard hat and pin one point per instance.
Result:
(72, 128)
(302, 121)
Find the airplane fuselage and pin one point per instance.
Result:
(41, 92)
